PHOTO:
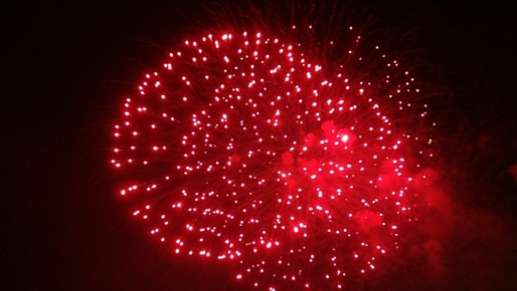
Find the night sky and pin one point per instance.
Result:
(68, 65)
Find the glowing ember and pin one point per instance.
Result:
(243, 149)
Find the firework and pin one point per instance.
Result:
(243, 149)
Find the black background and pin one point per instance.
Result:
(68, 64)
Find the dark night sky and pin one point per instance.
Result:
(69, 63)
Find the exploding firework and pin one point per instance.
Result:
(244, 149)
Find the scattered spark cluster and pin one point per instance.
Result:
(242, 149)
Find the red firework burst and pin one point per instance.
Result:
(242, 149)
